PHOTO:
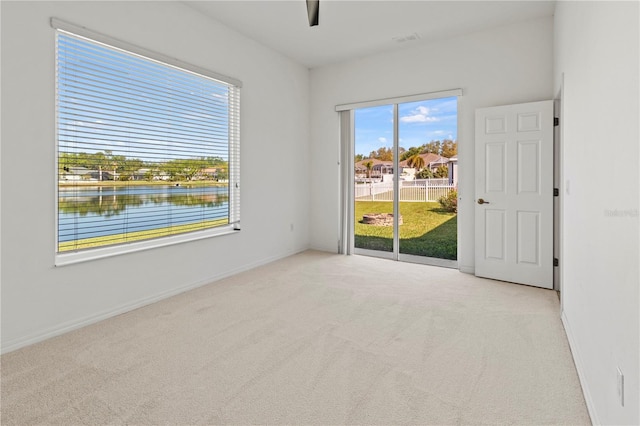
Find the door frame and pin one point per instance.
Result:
(346, 244)
(558, 179)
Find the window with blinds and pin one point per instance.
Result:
(145, 150)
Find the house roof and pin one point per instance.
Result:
(441, 160)
(428, 159)
(79, 170)
(361, 164)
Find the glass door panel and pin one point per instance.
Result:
(427, 139)
(374, 188)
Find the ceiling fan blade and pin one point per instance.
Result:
(313, 10)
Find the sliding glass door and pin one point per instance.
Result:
(403, 194)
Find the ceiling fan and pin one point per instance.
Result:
(313, 10)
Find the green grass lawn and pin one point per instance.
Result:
(137, 235)
(427, 230)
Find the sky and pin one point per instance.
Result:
(420, 122)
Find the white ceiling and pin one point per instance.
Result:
(352, 29)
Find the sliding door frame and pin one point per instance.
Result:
(346, 240)
(347, 174)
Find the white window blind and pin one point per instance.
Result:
(145, 150)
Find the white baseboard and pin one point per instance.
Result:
(68, 326)
(577, 360)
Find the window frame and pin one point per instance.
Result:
(71, 257)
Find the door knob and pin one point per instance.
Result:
(481, 201)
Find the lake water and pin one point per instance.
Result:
(85, 212)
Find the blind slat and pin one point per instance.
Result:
(146, 83)
(119, 122)
(189, 119)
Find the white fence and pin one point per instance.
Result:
(425, 182)
(415, 190)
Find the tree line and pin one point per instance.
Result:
(446, 148)
(106, 163)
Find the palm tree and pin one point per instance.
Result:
(416, 161)
(114, 161)
(369, 166)
(99, 160)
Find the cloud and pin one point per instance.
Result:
(419, 115)
(382, 140)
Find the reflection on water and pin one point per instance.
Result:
(85, 212)
(112, 201)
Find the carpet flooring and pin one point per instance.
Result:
(314, 338)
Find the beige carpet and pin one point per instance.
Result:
(314, 338)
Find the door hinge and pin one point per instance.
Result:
(556, 121)
(556, 192)
(556, 262)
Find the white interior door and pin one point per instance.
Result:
(514, 193)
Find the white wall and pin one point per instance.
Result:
(596, 47)
(39, 300)
(505, 65)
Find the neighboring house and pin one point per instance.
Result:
(408, 173)
(75, 173)
(428, 159)
(378, 171)
(381, 168)
(160, 175)
(440, 161)
(95, 175)
(431, 161)
(453, 171)
(209, 173)
(140, 174)
(146, 174)
(82, 173)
